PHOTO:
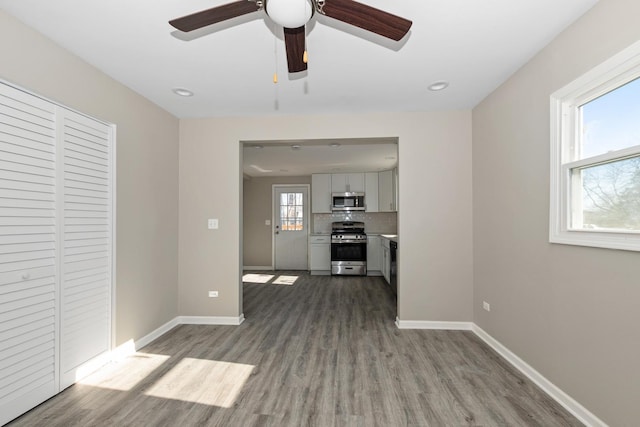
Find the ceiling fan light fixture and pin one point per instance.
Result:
(290, 13)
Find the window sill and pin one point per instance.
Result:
(626, 241)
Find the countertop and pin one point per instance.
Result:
(392, 237)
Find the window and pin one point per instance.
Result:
(595, 156)
(291, 211)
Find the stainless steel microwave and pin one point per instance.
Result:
(347, 202)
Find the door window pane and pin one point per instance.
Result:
(291, 211)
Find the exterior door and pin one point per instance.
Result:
(291, 227)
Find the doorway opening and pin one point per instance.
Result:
(275, 175)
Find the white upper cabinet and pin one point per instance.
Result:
(380, 189)
(347, 183)
(387, 191)
(371, 191)
(321, 193)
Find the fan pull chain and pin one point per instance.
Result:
(305, 56)
(275, 58)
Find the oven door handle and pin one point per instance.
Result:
(339, 242)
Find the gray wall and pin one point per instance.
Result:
(434, 222)
(257, 206)
(147, 170)
(570, 312)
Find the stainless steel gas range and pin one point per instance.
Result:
(348, 248)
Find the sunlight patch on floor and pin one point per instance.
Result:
(207, 382)
(285, 280)
(126, 373)
(257, 278)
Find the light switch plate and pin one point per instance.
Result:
(267, 222)
(213, 224)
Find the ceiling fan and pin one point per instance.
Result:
(294, 14)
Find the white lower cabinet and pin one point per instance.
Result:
(320, 254)
(386, 257)
(374, 254)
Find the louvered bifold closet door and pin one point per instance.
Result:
(27, 252)
(87, 240)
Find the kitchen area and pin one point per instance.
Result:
(354, 231)
(349, 213)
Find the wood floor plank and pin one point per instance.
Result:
(322, 352)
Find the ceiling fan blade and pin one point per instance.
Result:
(214, 15)
(294, 41)
(367, 18)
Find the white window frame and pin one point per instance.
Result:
(618, 70)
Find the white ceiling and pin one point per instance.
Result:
(300, 158)
(474, 44)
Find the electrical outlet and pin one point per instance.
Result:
(486, 306)
(213, 294)
(212, 224)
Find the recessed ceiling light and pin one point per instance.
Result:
(259, 169)
(440, 85)
(334, 145)
(296, 147)
(180, 91)
(257, 147)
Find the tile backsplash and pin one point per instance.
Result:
(374, 222)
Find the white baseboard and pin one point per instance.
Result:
(257, 267)
(210, 320)
(570, 404)
(147, 339)
(426, 324)
(131, 346)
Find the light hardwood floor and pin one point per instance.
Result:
(322, 352)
